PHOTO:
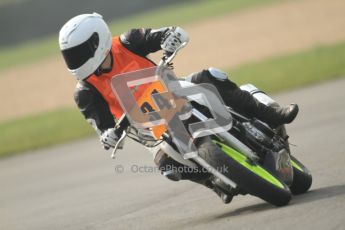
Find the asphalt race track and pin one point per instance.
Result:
(77, 186)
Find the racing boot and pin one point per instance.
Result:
(288, 114)
(276, 115)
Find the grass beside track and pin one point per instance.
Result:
(276, 74)
(174, 15)
(45, 129)
(294, 70)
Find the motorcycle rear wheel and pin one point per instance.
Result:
(302, 178)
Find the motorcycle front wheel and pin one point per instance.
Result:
(249, 176)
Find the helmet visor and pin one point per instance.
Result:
(78, 55)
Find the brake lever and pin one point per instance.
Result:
(120, 143)
(166, 61)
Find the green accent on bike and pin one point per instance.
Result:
(243, 160)
(295, 165)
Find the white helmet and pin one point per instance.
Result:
(85, 41)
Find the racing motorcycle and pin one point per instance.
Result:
(257, 157)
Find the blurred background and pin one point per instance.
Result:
(28, 20)
(284, 47)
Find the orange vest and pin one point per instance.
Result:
(123, 61)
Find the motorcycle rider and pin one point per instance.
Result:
(93, 56)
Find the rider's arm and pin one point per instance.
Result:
(143, 41)
(93, 107)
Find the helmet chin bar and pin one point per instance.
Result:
(100, 70)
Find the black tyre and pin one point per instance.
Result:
(250, 177)
(302, 178)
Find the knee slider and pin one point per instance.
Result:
(167, 166)
(217, 74)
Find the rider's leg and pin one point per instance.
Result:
(242, 101)
(176, 171)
